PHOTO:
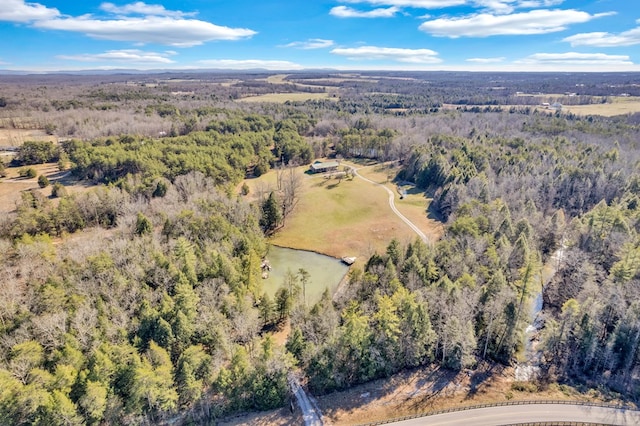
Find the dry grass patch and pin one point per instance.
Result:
(284, 97)
(16, 137)
(432, 388)
(277, 79)
(619, 106)
(12, 186)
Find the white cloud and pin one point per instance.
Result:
(20, 11)
(135, 22)
(413, 56)
(312, 43)
(250, 64)
(348, 12)
(575, 58)
(152, 29)
(508, 6)
(141, 8)
(603, 39)
(418, 4)
(532, 4)
(486, 60)
(127, 55)
(540, 21)
(495, 6)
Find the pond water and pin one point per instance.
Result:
(324, 271)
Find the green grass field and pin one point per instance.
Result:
(349, 217)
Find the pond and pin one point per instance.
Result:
(324, 271)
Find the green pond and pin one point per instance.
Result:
(324, 271)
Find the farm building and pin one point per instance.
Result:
(323, 167)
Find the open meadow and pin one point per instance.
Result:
(16, 137)
(618, 106)
(12, 186)
(348, 216)
(284, 97)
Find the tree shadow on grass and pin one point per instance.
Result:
(429, 389)
(481, 376)
(414, 390)
(434, 214)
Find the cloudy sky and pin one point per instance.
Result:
(509, 35)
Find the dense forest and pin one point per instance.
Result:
(141, 300)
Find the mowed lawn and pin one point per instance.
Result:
(350, 217)
(414, 205)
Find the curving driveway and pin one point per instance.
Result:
(530, 413)
(393, 206)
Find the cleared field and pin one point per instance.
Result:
(16, 137)
(12, 186)
(284, 97)
(281, 79)
(348, 217)
(619, 106)
(277, 79)
(414, 205)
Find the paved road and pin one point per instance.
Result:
(393, 206)
(310, 411)
(513, 414)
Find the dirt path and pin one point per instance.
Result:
(393, 206)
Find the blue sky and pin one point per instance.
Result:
(508, 35)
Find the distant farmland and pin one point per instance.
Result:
(284, 97)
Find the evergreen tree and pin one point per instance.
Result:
(271, 215)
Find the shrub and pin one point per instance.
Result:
(58, 190)
(50, 128)
(260, 169)
(161, 189)
(27, 172)
(524, 387)
(43, 181)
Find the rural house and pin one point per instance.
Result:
(320, 167)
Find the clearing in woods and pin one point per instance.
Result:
(284, 97)
(16, 137)
(340, 216)
(617, 106)
(12, 185)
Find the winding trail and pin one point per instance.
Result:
(393, 206)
